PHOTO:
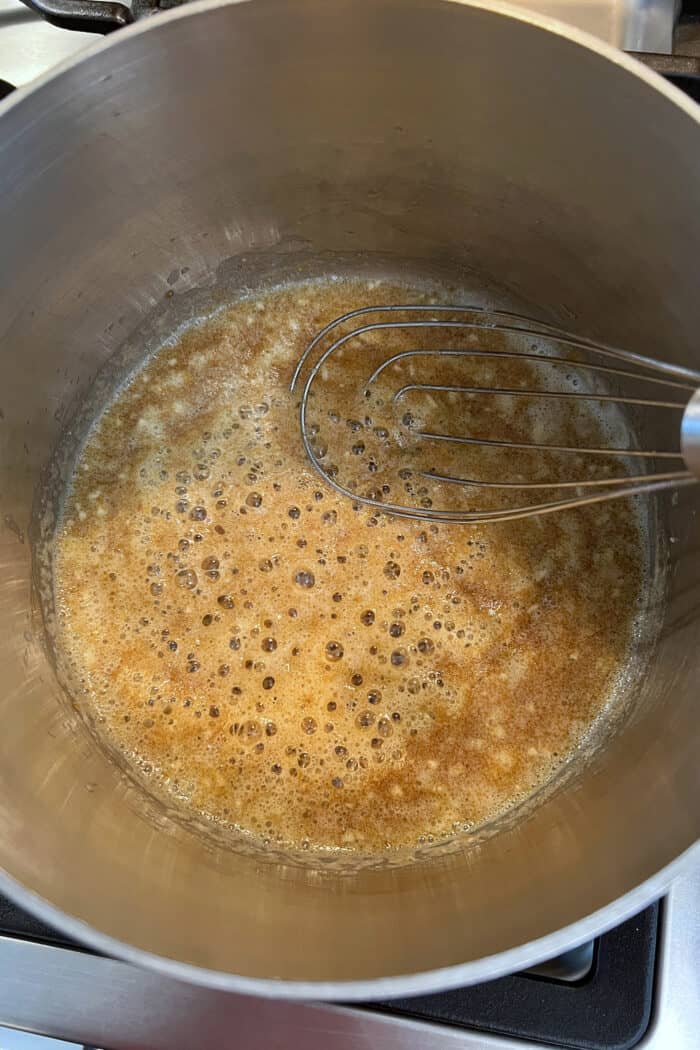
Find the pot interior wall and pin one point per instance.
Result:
(427, 134)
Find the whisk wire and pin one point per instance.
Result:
(589, 450)
(675, 475)
(524, 392)
(509, 325)
(519, 355)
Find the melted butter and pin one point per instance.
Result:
(297, 667)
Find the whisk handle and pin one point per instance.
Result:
(690, 434)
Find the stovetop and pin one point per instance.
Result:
(594, 997)
(637, 985)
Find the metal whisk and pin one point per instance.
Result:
(670, 388)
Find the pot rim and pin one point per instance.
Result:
(460, 975)
(499, 7)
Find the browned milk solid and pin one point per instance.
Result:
(298, 668)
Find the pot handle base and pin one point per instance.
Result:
(87, 16)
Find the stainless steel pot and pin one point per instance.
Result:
(531, 160)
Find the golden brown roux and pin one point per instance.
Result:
(294, 666)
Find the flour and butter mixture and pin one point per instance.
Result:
(299, 667)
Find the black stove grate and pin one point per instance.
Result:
(14, 922)
(607, 1009)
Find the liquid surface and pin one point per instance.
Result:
(301, 668)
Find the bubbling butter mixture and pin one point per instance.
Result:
(300, 668)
